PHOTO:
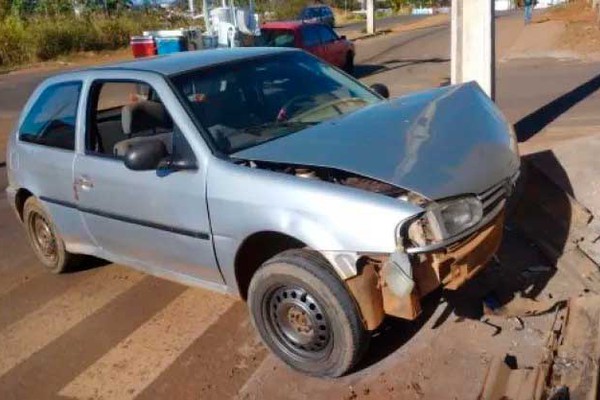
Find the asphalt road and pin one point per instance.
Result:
(108, 332)
(382, 23)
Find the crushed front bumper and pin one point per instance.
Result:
(449, 267)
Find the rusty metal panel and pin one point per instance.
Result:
(366, 290)
(459, 263)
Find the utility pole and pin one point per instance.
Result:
(191, 7)
(473, 43)
(370, 16)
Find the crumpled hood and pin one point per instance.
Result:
(440, 143)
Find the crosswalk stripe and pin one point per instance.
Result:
(139, 359)
(37, 329)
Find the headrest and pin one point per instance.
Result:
(145, 115)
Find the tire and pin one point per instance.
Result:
(44, 239)
(289, 297)
(349, 66)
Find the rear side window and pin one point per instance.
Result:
(310, 34)
(51, 120)
(327, 35)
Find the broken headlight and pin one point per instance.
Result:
(449, 218)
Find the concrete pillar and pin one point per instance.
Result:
(370, 17)
(473, 43)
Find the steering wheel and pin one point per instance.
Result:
(282, 115)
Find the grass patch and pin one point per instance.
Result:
(40, 39)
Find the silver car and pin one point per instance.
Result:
(270, 175)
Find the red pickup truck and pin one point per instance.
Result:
(318, 39)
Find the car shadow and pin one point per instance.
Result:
(533, 123)
(396, 332)
(365, 70)
(87, 263)
(536, 234)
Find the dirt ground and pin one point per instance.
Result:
(582, 26)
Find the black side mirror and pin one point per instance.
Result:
(343, 37)
(145, 155)
(381, 89)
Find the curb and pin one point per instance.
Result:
(368, 36)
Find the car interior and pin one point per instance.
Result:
(125, 113)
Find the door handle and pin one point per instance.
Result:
(84, 182)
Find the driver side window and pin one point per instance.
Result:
(124, 113)
(51, 121)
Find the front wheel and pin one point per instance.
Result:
(305, 314)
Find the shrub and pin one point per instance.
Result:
(15, 42)
(23, 41)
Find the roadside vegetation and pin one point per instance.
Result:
(40, 30)
(52, 28)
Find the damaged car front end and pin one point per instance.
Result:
(448, 154)
(445, 245)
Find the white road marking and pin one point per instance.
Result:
(132, 365)
(37, 329)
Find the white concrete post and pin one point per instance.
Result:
(473, 43)
(191, 6)
(370, 16)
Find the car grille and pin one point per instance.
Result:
(496, 195)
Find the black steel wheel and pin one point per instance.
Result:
(47, 244)
(305, 314)
(297, 322)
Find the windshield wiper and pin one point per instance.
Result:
(283, 124)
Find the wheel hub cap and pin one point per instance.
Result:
(298, 321)
(44, 238)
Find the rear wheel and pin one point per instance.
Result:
(349, 65)
(305, 314)
(47, 244)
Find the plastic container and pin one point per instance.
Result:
(210, 41)
(143, 46)
(169, 45)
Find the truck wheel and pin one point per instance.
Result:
(305, 314)
(349, 66)
(47, 244)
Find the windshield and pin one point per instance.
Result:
(246, 103)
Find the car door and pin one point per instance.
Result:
(154, 219)
(311, 40)
(333, 47)
(44, 154)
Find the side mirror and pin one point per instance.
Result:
(381, 89)
(343, 37)
(145, 155)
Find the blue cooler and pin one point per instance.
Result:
(168, 45)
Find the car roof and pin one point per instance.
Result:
(283, 25)
(292, 25)
(174, 64)
(317, 6)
